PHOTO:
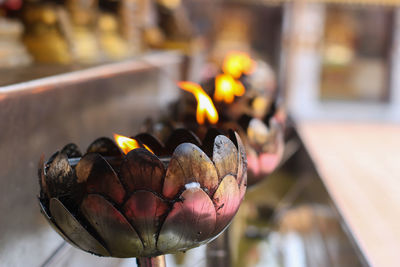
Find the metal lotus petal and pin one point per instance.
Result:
(71, 150)
(189, 164)
(119, 236)
(262, 162)
(257, 132)
(269, 162)
(225, 156)
(180, 136)
(208, 141)
(242, 167)
(74, 230)
(253, 163)
(242, 158)
(261, 165)
(277, 138)
(275, 141)
(243, 186)
(146, 211)
(48, 218)
(59, 177)
(227, 201)
(152, 142)
(105, 147)
(161, 129)
(99, 177)
(189, 223)
(142, 170)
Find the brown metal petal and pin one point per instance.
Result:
(227, 201)
(269, 162)
(152, 142)
(180, 136)
(253, 164)
(225, 156)
(142, 170)
(59, 177)
(74, 230)
(105, 147)
(257, 132)
(275, 144)
(189, 223)
(262, 162)
(242, 159)
(119, 236)
(243, 186)
(72, 151)
(189, 164)
(99, 177)
(208, 141)
(145, 212)
(46, 215)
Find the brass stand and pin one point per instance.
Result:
(158, 261)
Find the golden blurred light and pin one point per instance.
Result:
(205, 106)
(226, 88)
(238, 63)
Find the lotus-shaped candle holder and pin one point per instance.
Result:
(156, 199)
(246, 100)
(264, 144)
(263, 140)
(263, 137)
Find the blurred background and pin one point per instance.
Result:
(71, 70)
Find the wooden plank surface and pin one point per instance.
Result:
(360, 165)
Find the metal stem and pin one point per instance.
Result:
(158, 261)
(218, 251)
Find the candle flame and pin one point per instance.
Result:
(226, 88)
(236, 63)
(205, 106)
(127, 144)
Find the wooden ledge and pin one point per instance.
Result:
(359, 164)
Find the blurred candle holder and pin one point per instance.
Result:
(264, 144)
(245, 100)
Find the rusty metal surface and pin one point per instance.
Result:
(38, 117)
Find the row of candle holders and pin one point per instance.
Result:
(176, 186)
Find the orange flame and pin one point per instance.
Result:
(236, 63)
(127, 144)
(226, 88)
(205, 106)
